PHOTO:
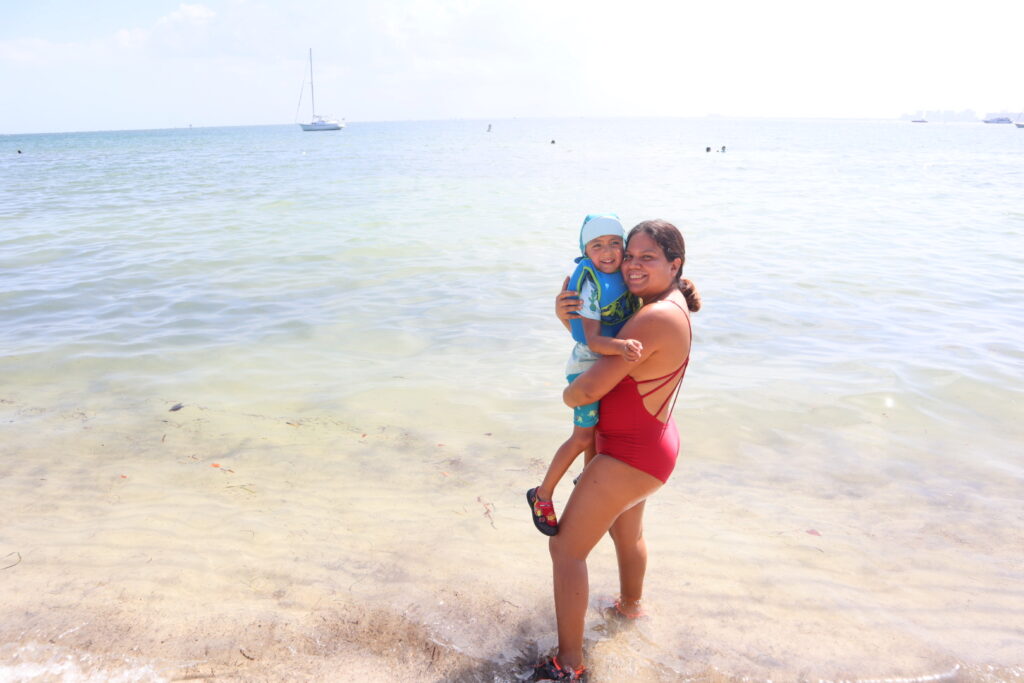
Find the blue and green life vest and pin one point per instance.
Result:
(617, 304)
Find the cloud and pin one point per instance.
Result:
(25, 51)
(131, 38)
(187, 29)
(188, 14)
(186, 25)
(41, 53)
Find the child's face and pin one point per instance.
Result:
(606, 253)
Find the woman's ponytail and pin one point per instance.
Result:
(689, 290)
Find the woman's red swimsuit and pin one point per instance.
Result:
(627, 432)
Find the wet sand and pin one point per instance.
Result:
(143, 543)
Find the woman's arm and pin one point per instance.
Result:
(608, 371)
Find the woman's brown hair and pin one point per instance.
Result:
(668, 237)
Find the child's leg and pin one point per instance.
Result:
(589, 454)
(581, 439)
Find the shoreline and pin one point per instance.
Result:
(354, 643)
(203, 543)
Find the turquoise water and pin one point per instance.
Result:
(857, 362)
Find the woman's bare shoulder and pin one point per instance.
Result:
(654, 318)
(664, 309)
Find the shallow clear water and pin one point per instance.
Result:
(369, 314)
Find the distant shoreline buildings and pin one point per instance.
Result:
(965, 115)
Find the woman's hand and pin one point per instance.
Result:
(567, 303)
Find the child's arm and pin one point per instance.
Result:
(630, 349)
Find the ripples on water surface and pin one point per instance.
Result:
(856, 372)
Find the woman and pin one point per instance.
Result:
(637, 440)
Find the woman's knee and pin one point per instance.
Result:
(556, 549)
(562, 551)
(626, 537)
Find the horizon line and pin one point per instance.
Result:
(901, 118)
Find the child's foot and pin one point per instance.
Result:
(543, 513)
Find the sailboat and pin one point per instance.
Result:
(317, 122)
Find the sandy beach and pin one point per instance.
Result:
(197, 544)
(180, 560)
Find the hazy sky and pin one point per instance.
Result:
(114, 64)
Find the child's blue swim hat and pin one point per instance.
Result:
(599, 225)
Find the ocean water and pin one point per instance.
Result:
(358, 328)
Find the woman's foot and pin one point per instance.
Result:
(543, 512)
(551, 670)
(625, 610)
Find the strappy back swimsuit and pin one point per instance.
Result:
(627, 432)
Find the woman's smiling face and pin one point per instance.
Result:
(606, 253)
(645, 269)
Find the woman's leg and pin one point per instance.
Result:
(631, 551)
(607, 488)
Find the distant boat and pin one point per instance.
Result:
(320, 123)
(919, 121)
(317, 122)
(998, 119)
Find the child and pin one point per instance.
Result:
(607, 304)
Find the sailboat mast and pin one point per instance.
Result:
(316, 122)
(312, 97)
